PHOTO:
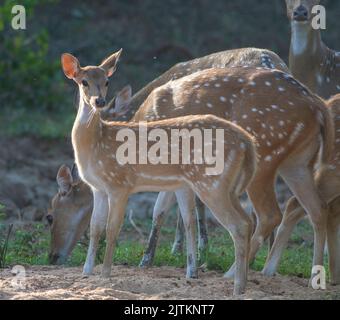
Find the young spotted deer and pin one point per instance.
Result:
(66, 206)
(69, 215)
(100, 158)
(310, 60)
(290, 123)
(327, 179)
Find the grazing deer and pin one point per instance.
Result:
(96, 147)
(327, 179)
(69, 215)
(288, 121)
(66, 206)
(310, 60)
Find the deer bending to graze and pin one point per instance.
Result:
(310, 60)
(67, 205)
(95, 144)
(288, 121)
(69, 215)
(327, 179)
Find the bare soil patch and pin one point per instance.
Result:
(152, 284)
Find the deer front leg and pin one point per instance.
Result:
(177, 247)
(203, 245)
(186, 202)
(97, 227)
(163, 204)
(115, 219)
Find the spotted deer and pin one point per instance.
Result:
(290, 123)
(327, 179)
(310, 60)
(69, 215)
(96, 146)
(66, 205)
(224, 59)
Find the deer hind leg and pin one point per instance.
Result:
(292, 215)
(225, 204)
(230, 214)
(203, 247)
(301, 182)
(333, 242)
(262, 195)
(186, 202)
(177, 247)
(163, 204)
(97, 227)
(115, 219)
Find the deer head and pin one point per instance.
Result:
(300, 11)
(69, 215)
(92, 80)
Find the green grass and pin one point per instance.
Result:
(30, 247)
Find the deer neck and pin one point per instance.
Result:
(85, 133)
(307, 53)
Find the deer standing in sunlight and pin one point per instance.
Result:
(288, 121)
(310, 60)
(96, 147)
(313, 63)
(70, 210)
(328, 183)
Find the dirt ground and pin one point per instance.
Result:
(152, 284)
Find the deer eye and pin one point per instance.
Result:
(85, 83)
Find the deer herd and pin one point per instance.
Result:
(276, 121)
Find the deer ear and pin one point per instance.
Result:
(64, 179)
(122, 101)
(110, 63)
(71, 65)
(75, 174)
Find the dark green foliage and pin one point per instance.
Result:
(36, 98)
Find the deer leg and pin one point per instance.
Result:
(202, 228)
(115, 219)
(333, 242)
(186, 202)
(163, 204)
(293, 214)
(177, 247)
(268, 214)
(229, 212)
(301, 182)
(97, 227)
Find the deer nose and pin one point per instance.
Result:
(100, 102)
(300, 13)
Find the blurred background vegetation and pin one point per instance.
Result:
(37, 100)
